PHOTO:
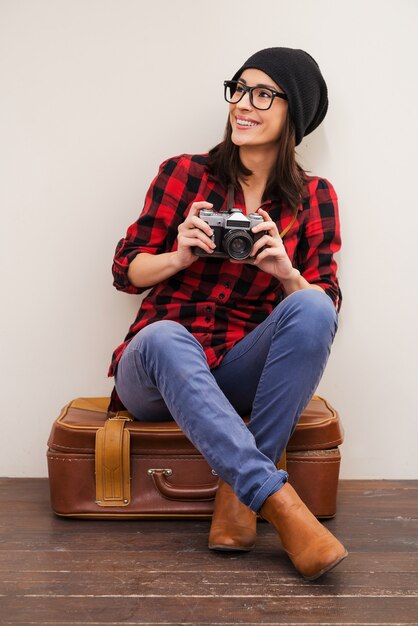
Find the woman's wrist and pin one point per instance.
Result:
(296, 282)
(178, 261)
(293, 282)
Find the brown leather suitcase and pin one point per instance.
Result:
(101, 467)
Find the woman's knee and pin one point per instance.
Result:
(311, 302)
(312, 313)
(157, 336)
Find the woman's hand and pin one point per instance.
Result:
(147, 270)
(268, 252)
(193, 232)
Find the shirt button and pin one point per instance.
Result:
(208, 309)
(227, 285)
(221, 296)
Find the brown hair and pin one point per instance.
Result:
(286, 178)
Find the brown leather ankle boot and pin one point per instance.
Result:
(310, 546)
(233, 524)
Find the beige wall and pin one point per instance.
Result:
(82, 134)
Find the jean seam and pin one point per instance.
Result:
(236, 358)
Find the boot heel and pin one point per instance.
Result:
(233, 525)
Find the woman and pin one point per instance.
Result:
(218, 338)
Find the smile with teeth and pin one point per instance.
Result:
(241, 122)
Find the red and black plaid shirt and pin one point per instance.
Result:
(219, 302)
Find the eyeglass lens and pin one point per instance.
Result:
(260, 97)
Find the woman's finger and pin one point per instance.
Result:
(197, 206)
(266, 240)
(194, 233)
(267, 253)
(188, 236)
(201, 224)
(189, 230)
(267, 226)
(192, 242)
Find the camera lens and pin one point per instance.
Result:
(238, 244)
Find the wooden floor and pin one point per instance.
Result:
(60, 571)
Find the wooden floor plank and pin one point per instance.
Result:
(401, 530)
(208, 584)
(197, 609)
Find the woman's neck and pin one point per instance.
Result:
(260, 162)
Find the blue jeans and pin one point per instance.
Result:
(271, 373)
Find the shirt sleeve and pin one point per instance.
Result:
(321, 240)
(155, 231)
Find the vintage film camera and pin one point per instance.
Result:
(231, 233)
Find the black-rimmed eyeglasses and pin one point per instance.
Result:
(260, 97)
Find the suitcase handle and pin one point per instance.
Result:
(183, 492)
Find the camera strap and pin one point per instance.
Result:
(289, 226)
(230, 198)
(231, 204)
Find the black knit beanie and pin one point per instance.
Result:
(298, 74)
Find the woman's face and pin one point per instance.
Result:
(250, 126)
